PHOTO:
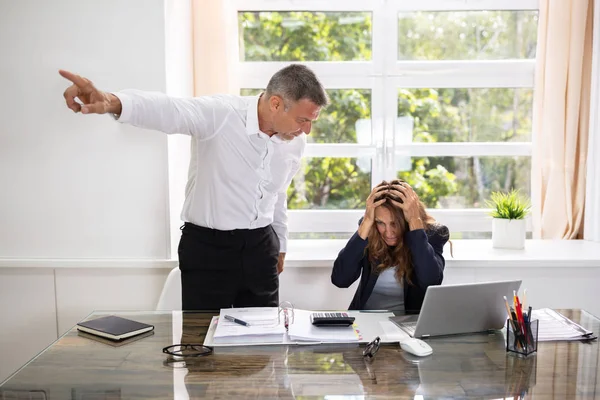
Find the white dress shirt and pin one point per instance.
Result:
(238, 175)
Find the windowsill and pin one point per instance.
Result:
(321, 253)
(467, 253)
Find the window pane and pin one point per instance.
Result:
(320, 235)
(250, 92)
(331, 183)
(470, 235)
(467, 114)
(478, 235)
(467, 35)
(305, 36)
(345, 120)
(346, 235)
(466, 182)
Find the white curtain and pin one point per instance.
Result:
(561, 117)
(592, 193)
(215, 48)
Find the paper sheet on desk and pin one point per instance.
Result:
(265, 326)
(554, 326)
(368, 324)
(301, 329)
(209, 339)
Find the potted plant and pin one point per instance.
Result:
(508, 224)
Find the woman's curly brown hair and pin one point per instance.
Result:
(382, 256)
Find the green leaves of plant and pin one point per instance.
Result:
(508, 205)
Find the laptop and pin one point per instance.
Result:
(456, 309)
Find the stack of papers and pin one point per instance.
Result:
(555, 326)
(265, 326)
(303, 330)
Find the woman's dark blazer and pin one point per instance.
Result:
(426, 249)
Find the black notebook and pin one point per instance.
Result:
(113, 327)
(114, 343)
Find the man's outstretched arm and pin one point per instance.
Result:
(151, 110)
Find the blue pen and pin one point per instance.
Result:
(235, 320)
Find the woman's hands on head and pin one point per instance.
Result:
(373, 201)
(399, 194)
(408, 202)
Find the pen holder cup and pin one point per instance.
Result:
(525, 340)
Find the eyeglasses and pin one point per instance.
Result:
(368, 353)
(372, 348)
(187, 350)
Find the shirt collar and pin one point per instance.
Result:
(252, 116)
(252, 127)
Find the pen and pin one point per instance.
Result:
(529, 318)
(509, 313)
(526, 328)
(237, 321)
(512, 322)
(518, 329)
(519, 312)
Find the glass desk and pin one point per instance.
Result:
(78, 366)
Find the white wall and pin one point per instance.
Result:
(75, 186)
(27, 315)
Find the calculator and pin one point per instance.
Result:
(331, 319)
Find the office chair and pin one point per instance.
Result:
(170, 297)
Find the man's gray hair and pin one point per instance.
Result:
(296, 82)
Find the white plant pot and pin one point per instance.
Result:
(508, 233)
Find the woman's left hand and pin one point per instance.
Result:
(409, 204)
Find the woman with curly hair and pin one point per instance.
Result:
(396, 252)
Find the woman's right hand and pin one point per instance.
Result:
(372, 204)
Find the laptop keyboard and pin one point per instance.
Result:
(409, 327)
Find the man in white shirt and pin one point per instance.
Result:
(245, 152)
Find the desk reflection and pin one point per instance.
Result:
(321, 372)
(95, 393)
(472, 366)
(230, 372)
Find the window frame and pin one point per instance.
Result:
(383, 75)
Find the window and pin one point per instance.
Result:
(437, 92)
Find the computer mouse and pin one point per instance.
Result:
(416, 346)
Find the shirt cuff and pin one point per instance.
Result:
(125, 107)
(283, 245)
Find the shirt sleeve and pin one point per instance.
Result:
(347, 267)
(427, 254)
(280, 218)
(197, 116)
